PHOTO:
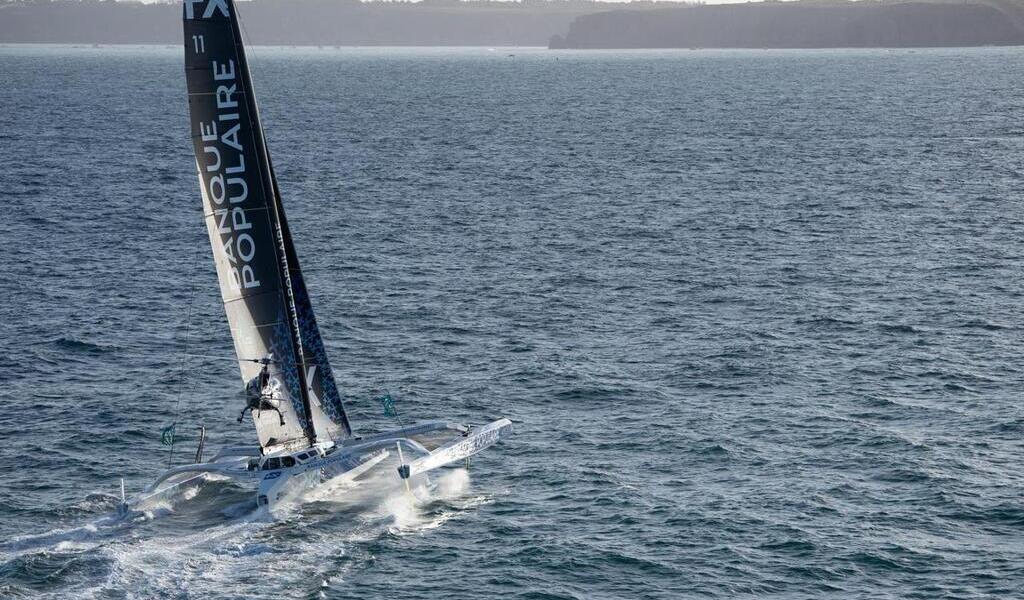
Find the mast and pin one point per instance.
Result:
(270, 184)
(265, 296)
(243, 218)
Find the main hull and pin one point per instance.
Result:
(283, 477)
(286, 485)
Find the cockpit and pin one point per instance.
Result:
(273, 463)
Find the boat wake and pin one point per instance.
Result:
(212, 539)
(382, 501)
(423, 508)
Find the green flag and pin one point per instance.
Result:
(167, 435)
(389, 405)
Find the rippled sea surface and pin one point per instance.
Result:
(757, 317)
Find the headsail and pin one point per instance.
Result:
(329, 417)
(261, 284)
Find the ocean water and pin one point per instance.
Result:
(757, 317)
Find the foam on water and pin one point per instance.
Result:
(50, 539)
(156, 559)
(452, 484)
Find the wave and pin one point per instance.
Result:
(203, 540)
(76, 346)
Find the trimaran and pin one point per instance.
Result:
(305, 438)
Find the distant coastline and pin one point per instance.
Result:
(803, 24)
(300, 22)
(575, 24)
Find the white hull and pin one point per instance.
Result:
(285, 485)
(280, 479)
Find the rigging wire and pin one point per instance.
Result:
(188, 332)
(246, 40)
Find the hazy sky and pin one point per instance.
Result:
(616, 1)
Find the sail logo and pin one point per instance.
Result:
(226, 185)
(211, 5)
(310, 379)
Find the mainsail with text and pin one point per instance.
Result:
(265, 297)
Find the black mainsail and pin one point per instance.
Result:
(264, 294)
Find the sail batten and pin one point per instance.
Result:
(264, 295)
